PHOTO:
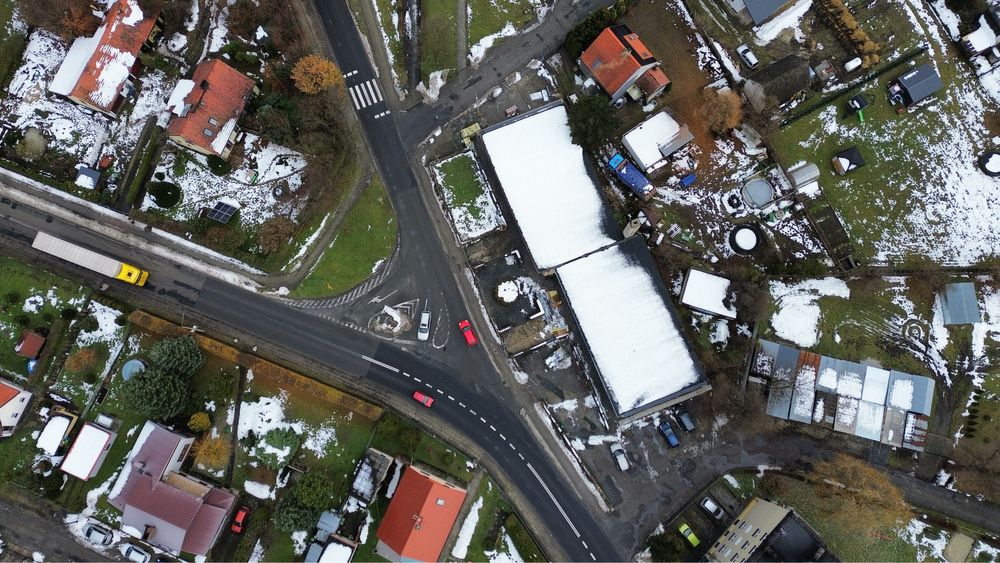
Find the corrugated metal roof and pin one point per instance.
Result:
(959, 304)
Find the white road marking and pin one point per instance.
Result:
(483, 420)
(502, 437)
(378, 92)
(362, 98)
(520, 456)
(461, 404)
(511, 446)
(584, 544)
(378, 363)
(418, 380)
(474, 413)
(450, 398)
(554, 501)
(429, 386)
(354, 98)
(370, 86)
(440, 390)
(350, 74)
(406, 374)
(591, 553)
(491, 427)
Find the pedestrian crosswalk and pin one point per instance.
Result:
(365, 94)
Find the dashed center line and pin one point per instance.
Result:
(492, 427)
(461, 404)
(450, 398)
(520, 456)
(406, 374)
(418, 380)
(474, 413)
(483, 420)
(502, 437)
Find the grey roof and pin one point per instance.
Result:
(683, 137)
(761, 10)
(959, 304)
(920, 82)
(779, 398)
(923, 391)
(853, 156)
(784, 78)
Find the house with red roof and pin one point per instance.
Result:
(621, 63)
(30, 344)
(169, 509)
(206, 108)
(13, 402)
(98, 71)
(419, 518)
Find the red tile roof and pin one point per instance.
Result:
(114, 56)
(615, 56)
(420, 516)
(30, 344)
(219, 94)
(652, 81)
(7, 393)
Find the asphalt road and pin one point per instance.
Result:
(42, 533)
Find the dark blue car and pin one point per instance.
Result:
(668, 433)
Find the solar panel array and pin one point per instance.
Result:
(222, 212)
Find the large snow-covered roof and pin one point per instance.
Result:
(542, 173)
(53, 433)
(87, 452)
(628, 323)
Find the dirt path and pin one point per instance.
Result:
(462, 37)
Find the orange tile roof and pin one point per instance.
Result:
(219, 94)
(7, 392)
(420, 516)
(115, 55)
(652, 81)
(30, 344)
(609, 61)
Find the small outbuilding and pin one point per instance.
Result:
(847, 160)
(777, 83)
(959, 304)
(916, 85)
(707, 293)
(30, 345)
(88, 451)
(653, 140)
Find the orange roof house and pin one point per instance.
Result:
(30, 344)
(419, 518)
(13, 402)
(97, 71)
(618, 60)
(207, 107)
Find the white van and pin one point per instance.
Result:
(424, 329)
(619, 454)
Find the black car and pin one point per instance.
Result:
(684, 419)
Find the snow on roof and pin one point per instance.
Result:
(643, 142)
(52, 434)
(176, 102)
(982, 38)
(707, 293)
(876, 385)
(849, 384)
(222, 137)
(629, 326)
(87, 451)
(123, 476)
(75, 62)
(804, 395)
(543, 175)
(902, 394)
(869, 420)
(134, 14)
(336, 553)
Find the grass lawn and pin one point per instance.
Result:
(395, 436)
(438, 39)
(920, 194)
(387, 11)
(367, 237)
(48, 296)
(467, 197)
(487, 17)
(11, 43)
(496, 520)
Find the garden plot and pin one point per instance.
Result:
(264, 183)
(491, 20)
(100, 341)
(920, 193)
(69, 128)
(467, 197)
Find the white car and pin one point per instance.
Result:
(135, 553)
(619, 454)
(713, 509)
(424, 329)
(747, 56)
(98, 535)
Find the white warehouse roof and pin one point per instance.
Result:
(88, 451)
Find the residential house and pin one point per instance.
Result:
(916, 85)
(985, 36)
(98, 71)
(30, 344)
(419, 517)
(760, 11)
(88, 451)
(651, 142)
(777, 84)
(13, 402)
(621, 63)
(170, 509)
(207, 107)
(765, 531)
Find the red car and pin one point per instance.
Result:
(425, 400)
(240, 519)
(470, 337)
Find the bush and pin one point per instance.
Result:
(313, 74)
(219, 166)
(591, 121)
(276, 233)
(277, 447)
(156, 394)
(212, 452)
(581, 36)
(121, 320)
(291, 516)
(199, 422)
(89, 323)
(180, 356)
(12, 298)
(22, 320)
(313, 490)
(68, 314)
(723, 109)
(164, 194)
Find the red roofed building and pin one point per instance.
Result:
(419, 518)
(207, 107)
(98, 71)
(618, 60)
(30, 344)
(13, 402)
(171, 510)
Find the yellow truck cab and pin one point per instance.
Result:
(131, 274)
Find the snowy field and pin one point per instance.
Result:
(250, 186)
(467, 197)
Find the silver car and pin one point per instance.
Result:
(98, 535)
(713, 509)
(747, 56)
(135, 553)
(424, 329)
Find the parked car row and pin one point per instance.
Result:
(685, 421)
